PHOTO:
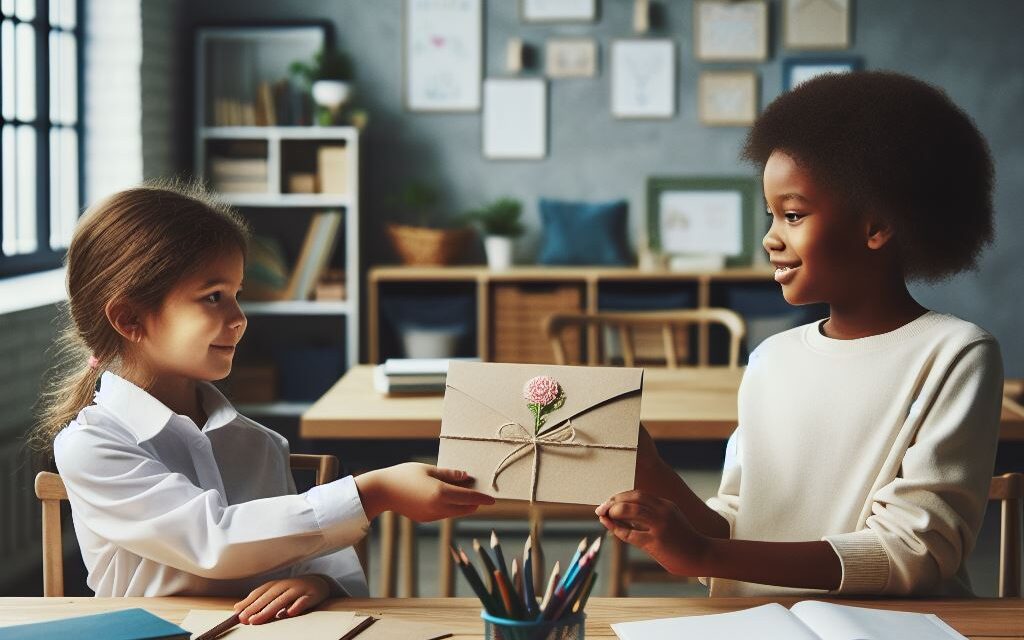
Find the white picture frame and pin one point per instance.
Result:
(558, 10)
(515, 119)
(643, 78)
(730, 30)
(570, 58)
(727, 98)
(443, 55)
(816, 24)
(708, 222)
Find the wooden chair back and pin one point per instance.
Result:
(1009, 490)
(625, 323)
(50, 490)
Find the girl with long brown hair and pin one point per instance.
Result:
(171, 490)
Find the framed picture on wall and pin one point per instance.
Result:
(570, 58)
(816, 24)
(703, 217)
(797, 70)
(558, 10)
(515, 121)
(727, 98)
(443, 54)
(730, 30)
(643, 78)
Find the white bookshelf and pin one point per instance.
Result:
(288, 149)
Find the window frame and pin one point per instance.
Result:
(45, 258)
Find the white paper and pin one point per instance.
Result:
(706, 222)
(840, 622)
(643, 78)
(767, 622)
(515, 123)
(315, 625)
(443, 41)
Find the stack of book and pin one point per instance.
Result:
(237, 175)
(411, 375)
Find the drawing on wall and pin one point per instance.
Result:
(726, 30)
(643, 78)
(571, 58)
(443, 54)
(816, 24)
(558, 10)
(727, 98)
(515, 120)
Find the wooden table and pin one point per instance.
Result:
(976, 619)
(678, 404)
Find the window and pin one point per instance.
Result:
(40, 132)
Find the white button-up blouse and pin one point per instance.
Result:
(161, 507)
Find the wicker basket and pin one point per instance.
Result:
(425, 246)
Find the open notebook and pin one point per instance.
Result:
(806, 620)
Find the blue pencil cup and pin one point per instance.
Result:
(567, 628)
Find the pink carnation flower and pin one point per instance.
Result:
(542, 390)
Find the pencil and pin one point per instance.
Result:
(499, 557)
(219, 629)
(555, 575)
(511, 604)
(359, 628)
(570, 568)
(528, 595)
(581, 602)
(517, 580)
(489, 567)
(475, 583)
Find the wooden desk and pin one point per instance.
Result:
(678, 404)
(977, 619)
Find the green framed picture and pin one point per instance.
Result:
(704, 216)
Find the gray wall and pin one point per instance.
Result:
(971, 49)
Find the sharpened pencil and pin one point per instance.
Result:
(475, 583)
(499, 557)
(581, 602)
(488, 565)
(529, 597)
(505, 589)
(517, 580)
(550, 591)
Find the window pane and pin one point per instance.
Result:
(63, 186)
(9, 183)
(7, 68)
(63, 72)
(62, 13)
(26, 62)
(26, 9)
(25, 155)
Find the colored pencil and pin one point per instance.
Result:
(359, 628)
(550, 591)
(499, 557)
(511, 604)
(489, 567)
(581, 602)
(529, 597)
(570, 568)
(517, 581)
(475, 583)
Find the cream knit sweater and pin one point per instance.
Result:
(883, 446)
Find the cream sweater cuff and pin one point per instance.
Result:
(864, 560)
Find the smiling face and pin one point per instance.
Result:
(194, 333)
(820, 252)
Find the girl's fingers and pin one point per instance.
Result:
(463, 496)
(451, 476)
(300, 605)
(256, 593)
(627, 535)
(270, 611)
(637, 515)
(255, 607)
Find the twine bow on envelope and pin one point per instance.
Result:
(564, 435)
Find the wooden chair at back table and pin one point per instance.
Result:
(50, 490)
(1008, 489)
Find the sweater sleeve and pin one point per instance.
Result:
(924, 523)
(727, 502)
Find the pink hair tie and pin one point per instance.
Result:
(94, 362)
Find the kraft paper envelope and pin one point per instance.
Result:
(584, 452)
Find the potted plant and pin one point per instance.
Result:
(421, 238)
(500, 224)
(329, 79)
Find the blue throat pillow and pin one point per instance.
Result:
(584, 233)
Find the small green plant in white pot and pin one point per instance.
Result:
(500, 225)
(329, 79)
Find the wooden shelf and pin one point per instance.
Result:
(287, 200)
(297, 308)
(278, 133)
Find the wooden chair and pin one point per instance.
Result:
(627, 323)
(1009, 490)
(50, 490)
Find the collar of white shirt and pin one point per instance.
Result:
(145, 416)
